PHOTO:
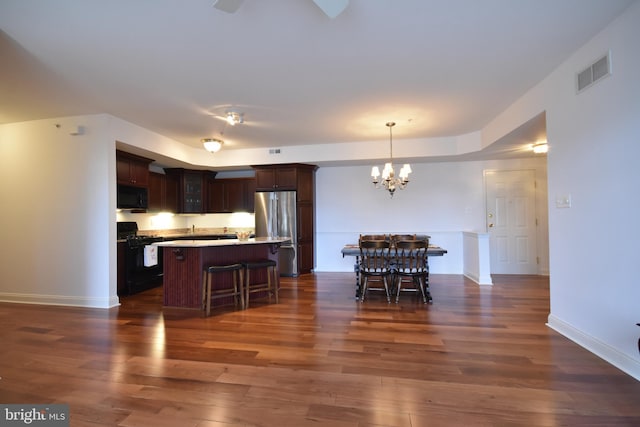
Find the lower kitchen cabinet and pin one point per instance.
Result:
(122, 284)
(305, 215)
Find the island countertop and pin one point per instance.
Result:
(223, 242)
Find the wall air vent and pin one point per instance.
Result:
(593, 73)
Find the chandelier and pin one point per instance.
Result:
(390, 181)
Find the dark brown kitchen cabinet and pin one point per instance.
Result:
(306, 229)
(300, 178)
(230, 195)
(171, 193)
(132, 169)
(163, 192)
(279, 178)
(251, 193)
(191, 185)
(121, 275)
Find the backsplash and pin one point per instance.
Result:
(216, 223)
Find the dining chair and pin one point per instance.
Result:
(411, 266)
(398, 237)
(374, 265)
(373, 237)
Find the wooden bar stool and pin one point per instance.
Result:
(270, 286)
(235, 290)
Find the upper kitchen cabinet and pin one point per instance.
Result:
(275, 178)
(230, 195)
(163, 192)
(132, 169)
(192, 194)
(291, 176)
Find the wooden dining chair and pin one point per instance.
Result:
(374, 265)
(411, 266)
(398, 237)
(373, 237)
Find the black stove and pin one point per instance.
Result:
(138, 241)
(138, 276)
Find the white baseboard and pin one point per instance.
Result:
(597, 347)
(64, 300)
(484, 280)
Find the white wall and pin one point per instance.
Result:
(595, 143)
(442, 200)
(594, 146)
(56, 214)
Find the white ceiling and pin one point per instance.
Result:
(436, 67)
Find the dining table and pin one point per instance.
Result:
(352, 249)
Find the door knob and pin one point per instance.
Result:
(490, 225)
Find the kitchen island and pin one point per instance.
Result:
(185, 260)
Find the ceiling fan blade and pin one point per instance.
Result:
(332, 8)
(229, 6)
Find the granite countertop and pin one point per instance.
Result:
(187, 232)
(223, 242)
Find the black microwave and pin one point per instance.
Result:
(132, 197)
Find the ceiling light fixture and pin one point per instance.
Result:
(540, 147)
(389, 181)
(235, 118)
(229, 6)
(212, 145)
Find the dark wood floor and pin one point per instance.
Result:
(479, 356)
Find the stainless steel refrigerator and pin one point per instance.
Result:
(275, 214)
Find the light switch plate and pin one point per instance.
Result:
(563, 201)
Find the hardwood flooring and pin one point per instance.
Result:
(479, 356)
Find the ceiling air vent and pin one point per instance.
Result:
(593, 73)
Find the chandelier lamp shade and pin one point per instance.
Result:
(212, 145)
(390, 181)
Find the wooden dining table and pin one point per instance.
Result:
(354, 250)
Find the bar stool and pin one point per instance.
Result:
(271, 285)
(235, 290)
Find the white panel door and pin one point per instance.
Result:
(511, 221)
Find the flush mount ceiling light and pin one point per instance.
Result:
(229, 6)
(389, 181)
(234, 118)
(212, 145)
(540, 147)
